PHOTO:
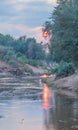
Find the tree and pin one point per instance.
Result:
(64, 26)
(24, 49)
(35, 50)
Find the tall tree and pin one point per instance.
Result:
(64, 26)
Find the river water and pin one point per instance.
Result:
(20, 115)
(56, 113)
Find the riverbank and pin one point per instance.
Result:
(11, 77)
(20, 87)
(67, 86)
(21, 70)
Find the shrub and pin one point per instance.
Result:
(62, 69)
(65, 69)
(53, 69)
(22, 59)
(10, 55)
(35, 62)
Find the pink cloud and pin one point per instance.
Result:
(20, 30)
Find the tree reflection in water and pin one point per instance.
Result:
(66, 113)
(60, 113)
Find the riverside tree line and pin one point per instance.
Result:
(63, 30)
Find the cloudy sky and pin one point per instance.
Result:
(24, 17)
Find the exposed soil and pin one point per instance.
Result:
(66, 86)
(16, 82)
(25, 69)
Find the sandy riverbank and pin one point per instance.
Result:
(67, 86)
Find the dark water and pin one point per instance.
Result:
(64, 116)
(56, 113)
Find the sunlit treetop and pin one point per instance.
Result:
(46, 33)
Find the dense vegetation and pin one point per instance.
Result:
(63, 30)
(21, 50)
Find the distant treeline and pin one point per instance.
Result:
(21, 50)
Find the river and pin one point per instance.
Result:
(56, 113)
(20, 115)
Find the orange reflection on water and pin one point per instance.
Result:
(48, 104)
(45, 96)
(45, 99)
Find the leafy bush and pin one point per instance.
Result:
(65, 69)
(53, 69)
(9, 55)
(22, 59)
(35, 62)
(3, 52)
(62, 69)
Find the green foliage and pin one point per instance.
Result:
(3, 51)
(64, 31)
(53, 69)
(10, 55)
(21, 50)
(22, 59)
(63, 69)
(6, 40)
(35, 62)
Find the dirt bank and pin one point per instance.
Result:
(25, 69)
(18, 83)
(66, 86)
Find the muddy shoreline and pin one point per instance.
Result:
(12, 78)
(67, 86)
(23, 87)
(19, 86)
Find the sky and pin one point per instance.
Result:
(25, 17)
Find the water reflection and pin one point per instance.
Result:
(60, 113)
(47, 101)
(66, 113)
